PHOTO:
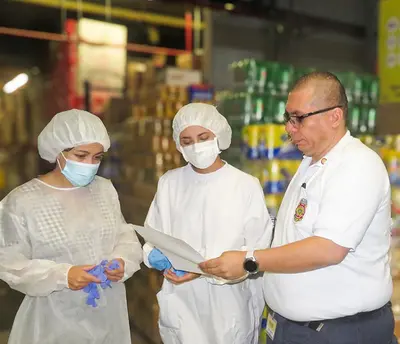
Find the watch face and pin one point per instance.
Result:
(250, 266)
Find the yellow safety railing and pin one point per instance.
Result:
(116, 12)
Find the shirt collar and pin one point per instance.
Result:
(334, 152)
(207, 176)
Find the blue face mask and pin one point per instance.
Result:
(78, 173)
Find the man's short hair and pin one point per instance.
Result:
(330, 90)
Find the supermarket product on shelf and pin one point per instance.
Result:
(201, 93)
(179, 77)
(256, 103)
(362, 118)
(362, 93)
(255, 109)
(263, 79)
(251, 75)
(263, 141)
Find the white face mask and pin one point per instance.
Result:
(201, 155)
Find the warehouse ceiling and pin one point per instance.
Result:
(27, 52)
(22, 51)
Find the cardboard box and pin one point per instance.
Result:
(189, 61)
(116, 111)
(179, 77)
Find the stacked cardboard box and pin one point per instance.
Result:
(142, 123)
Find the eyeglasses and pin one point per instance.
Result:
(297, 120)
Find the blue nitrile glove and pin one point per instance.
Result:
(179, 273)
(99, 272)
(160, 262)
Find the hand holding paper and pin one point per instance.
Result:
(160, 262)
(181, 255)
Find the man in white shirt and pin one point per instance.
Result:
(328, 276)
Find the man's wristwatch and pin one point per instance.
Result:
(250, 263)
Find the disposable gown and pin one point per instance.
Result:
(43, 232)
(213, 213)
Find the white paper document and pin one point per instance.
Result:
(181, 255)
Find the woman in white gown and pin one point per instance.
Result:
(55, 228)
(213, 207)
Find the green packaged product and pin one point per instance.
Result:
(241, 106)
(353, 84)
(244, 72)
(374, 90)
(357, 87)
(353, 118)
(276, 109)
(271, 86)
(261, 112)
(371, 120)
(366, 82)
(367, 120)
(249, 75)
(370, 90)
(283, 78)
(258, 110)
(250, 107)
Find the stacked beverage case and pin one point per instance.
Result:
(255, 107)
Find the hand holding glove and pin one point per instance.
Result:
(160, 262)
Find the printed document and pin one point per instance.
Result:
(181, 255)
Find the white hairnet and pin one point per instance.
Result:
(69, 129)
(206, 116)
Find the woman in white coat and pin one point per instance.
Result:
(213, 207)
(55, 228)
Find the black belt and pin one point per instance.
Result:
(317, 325)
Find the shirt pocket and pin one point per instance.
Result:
(305, 226)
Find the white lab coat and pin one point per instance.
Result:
(43, 232)
(213, 213)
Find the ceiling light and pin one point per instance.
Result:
(16, 83)
(229, 6)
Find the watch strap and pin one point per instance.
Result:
(250, 254)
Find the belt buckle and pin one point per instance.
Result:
(315, 325)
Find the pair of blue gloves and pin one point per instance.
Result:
(99, 272)
(160, 262)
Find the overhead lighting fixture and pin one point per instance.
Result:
(229, 6)
(16, 83)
